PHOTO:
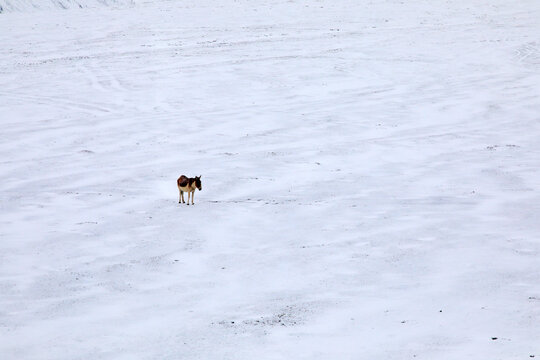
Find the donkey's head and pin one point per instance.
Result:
(198, 182)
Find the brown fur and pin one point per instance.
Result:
(188, 185)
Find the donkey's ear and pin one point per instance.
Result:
(200, 176)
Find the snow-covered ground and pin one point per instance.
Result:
(371, 185)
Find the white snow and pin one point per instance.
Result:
(36, 5)
(370, 175)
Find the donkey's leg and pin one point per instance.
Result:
(192, 196)
(189, 192)
(181, 196)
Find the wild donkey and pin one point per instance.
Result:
(188, 185)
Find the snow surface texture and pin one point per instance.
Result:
(29, 5)
(370, 181)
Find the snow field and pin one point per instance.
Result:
(370, 181)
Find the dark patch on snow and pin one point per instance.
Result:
(288, 316)
(494, 147)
